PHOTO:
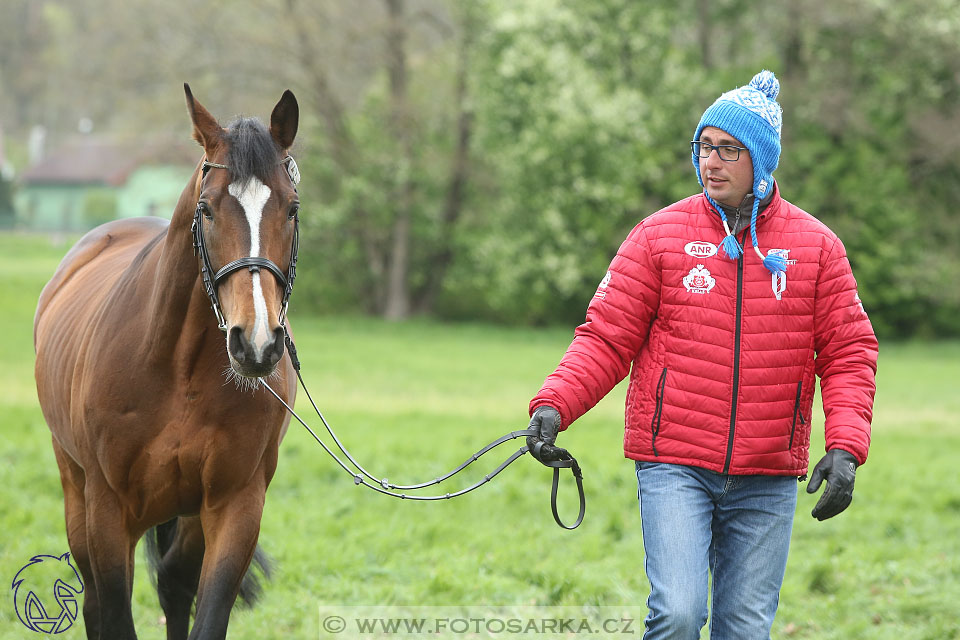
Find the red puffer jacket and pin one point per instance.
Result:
(723, 352)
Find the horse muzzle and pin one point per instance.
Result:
(251, 359)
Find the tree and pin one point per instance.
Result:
(483, 159)
(574, 149)
(391, 200)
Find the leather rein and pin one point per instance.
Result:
(550, 456)
(541, 451)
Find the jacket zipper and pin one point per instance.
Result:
(796, 412)
(736, 358)
(655, 423)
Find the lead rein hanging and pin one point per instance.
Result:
(382, 485)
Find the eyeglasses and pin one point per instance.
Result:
(727, 152)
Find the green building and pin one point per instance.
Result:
(90, 181)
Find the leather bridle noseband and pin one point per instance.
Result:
(211, 279)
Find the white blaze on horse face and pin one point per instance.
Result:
(253, 196)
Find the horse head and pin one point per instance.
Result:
(245, 229)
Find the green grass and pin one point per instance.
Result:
(414, 399)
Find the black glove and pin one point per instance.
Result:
(839, 469)
(546, 422)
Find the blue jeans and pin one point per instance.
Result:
(697, 523)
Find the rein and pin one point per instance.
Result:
(382, 485)
(211, 281)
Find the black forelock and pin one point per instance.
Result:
(252, 151)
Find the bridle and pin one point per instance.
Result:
(211, 279)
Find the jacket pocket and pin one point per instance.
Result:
(655, 423)
(796, 414)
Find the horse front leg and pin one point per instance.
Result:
(111, 556)
(72, 479)
(230, 531)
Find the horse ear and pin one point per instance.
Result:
(206, 129)
(284, 120)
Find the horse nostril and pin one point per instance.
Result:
(237, 344)
(274, 352)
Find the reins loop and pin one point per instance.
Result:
(382, 485)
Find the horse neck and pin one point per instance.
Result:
(178, 302)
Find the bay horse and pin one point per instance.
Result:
(130, 366)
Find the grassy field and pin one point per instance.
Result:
(414, 399)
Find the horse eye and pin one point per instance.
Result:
(205, 210)
(294, 210)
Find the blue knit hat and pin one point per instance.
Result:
(752, 115)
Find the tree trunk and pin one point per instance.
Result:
(456, 185)
(792, 49)
(342, 147)
(397, 304)
(703, 33)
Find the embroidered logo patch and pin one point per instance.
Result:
(779, 280)
(779, 283)
(699, 249)
(602, 291)
(699, 280)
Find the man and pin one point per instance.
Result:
(724, 345)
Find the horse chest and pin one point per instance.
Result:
(171, 467)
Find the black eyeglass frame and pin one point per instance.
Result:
(718, 147)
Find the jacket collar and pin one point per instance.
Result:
(739, 217)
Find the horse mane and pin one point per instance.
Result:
(252, 150)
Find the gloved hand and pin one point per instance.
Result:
(839, 469)
(546, 421)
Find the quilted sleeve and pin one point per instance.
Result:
(618, 320)
(846, 360)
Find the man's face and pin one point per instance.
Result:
(726, 182)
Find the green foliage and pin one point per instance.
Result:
(861, 153)
(6, 203)
(99, 206)
(348, 227)
(579, 117)
(577, 150)
(582, 112)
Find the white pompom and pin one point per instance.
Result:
(766, 83)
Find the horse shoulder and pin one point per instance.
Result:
(113, 239)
